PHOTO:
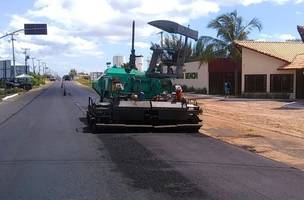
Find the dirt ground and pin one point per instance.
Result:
(263, 127)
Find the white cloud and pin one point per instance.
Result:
(250, 2)
(142, 45)
(83, 27)
(276, 37)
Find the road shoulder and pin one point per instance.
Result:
(262, 127)
(12, 106)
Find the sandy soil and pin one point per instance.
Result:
(263, 127)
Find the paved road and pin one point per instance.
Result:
(46, 152)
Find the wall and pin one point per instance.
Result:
(257, 63)
(202, 80)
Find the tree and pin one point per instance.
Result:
(231, 27)
(206, 50)
(175, 43)
(72, 73)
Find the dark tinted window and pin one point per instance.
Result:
(281, 83)
(255, 83)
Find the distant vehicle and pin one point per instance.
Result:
(26, 86)
(66, 78)
(52, 79)
(16, 84)
(12, 84)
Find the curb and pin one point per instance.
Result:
(9, 97)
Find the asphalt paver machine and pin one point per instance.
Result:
(147, 100)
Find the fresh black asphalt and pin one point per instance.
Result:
(47, 152)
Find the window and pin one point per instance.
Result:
(281, 83)
(255, 83)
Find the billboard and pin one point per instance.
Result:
(5, 69)
(35, 29)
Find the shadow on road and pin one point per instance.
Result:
(147, 172)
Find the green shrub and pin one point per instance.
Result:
(37, 79)
(2, 83)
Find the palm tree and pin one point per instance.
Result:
(231, 27)
(175, 43)
(207, 49)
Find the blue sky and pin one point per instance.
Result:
(85, 34)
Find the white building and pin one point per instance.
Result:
(272, 68)
(139, 61)
(118, 60)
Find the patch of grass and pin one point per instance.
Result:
(84, 81)
(10, 91)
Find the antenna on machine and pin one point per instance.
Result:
(132, 55)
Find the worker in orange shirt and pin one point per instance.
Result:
(179, 93)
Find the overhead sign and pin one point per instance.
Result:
(173, 27)
(35, 29)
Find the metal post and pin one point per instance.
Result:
(132, 56)
(34, 67)
(14, 61)
(25, 59)
(38, 67)
(43, 68)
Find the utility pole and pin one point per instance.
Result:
(39, 66)
(26, 57)
(14, 60)
(44, 67)
(13, 72)
(34, 67)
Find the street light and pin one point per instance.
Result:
(29, 29)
